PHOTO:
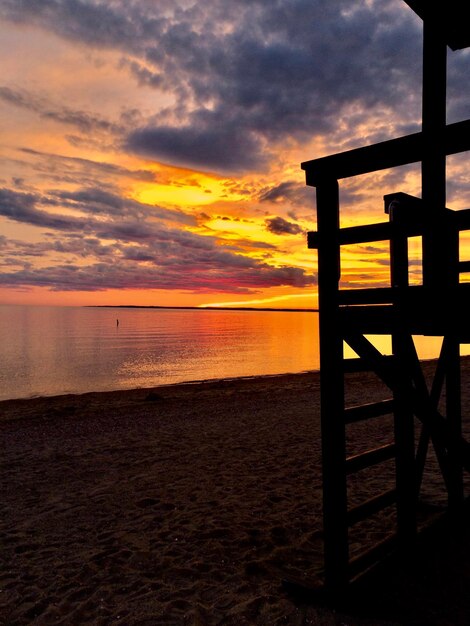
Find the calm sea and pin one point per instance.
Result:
(54, 350)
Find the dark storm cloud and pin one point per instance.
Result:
(246, 76)
(218, 148)
(278, 193)
(280, 226)
(290, 192)
(285, 70)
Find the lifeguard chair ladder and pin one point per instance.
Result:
(440, 307)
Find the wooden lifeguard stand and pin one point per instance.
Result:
(438, 307)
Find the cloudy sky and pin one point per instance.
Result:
(150, 150)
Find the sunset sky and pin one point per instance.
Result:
(150, 149)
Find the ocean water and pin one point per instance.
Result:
(57, 350)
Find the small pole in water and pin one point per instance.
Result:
(117, 322)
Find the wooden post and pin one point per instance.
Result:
(452, 367)
(405, 469)
(398, 246)
(332, 390)
(454, 418)
(433, 167)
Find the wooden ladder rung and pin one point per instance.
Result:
(371, 506)
(367, 411)
(366, 233)
(377, 296)
(371, 457)
(361, 563)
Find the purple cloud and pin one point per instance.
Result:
(140, 254)
(280, 226)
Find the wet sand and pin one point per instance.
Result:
(188, 504)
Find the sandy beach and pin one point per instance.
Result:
(188, 504)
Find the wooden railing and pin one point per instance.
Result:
(383, 155)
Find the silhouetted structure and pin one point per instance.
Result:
(440, 306)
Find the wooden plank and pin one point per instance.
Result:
(361, 461)
(399, 270)
(424, 406)
(412, 225)
(383, 155)
(368, 411)
(440, 431)
(421, 455)
(355, 234)
(384, 368)
(433, 162)
(336, 551)
(454, 419)
(423, 311)
(377, 295)
(371, 506)
(405, 466)
(369, 233)
(425, 436)
(414, 296)
(371, 158)
(420, 301)
(403, 420)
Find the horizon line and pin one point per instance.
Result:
(200, 308)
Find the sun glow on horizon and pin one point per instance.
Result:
(258, 301)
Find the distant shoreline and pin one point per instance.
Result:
(196, 308)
